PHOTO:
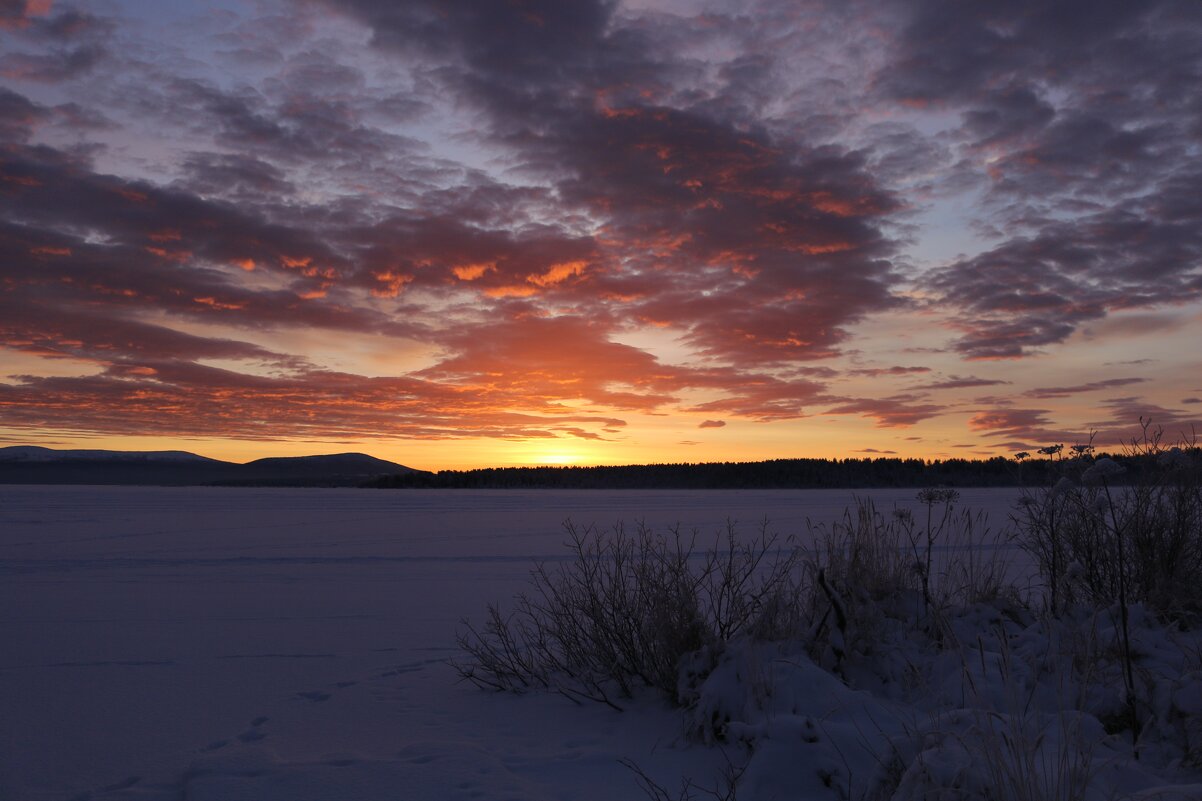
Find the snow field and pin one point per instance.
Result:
(243, 643)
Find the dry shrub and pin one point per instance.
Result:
(1106, 533)
(626, 609)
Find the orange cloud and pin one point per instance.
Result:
(50, 251)
(470, 272)
(510, 291)
(558, 273)
(179, 256)
(221, 305)
(390, 283)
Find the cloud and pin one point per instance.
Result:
(19, 13)
(18, 115)
(1084, 159)
(711, 424)
(961, 382)
(194, 401)
(1026, 428)
(1032, 428)
(73, 43)
(1065, 392)
(875, 372)
(78, 334)
(1033, 292)
(896, 411)
(705, 215)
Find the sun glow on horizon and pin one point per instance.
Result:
(556, 454)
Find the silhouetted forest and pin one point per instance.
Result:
(774, 474)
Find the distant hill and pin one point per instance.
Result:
(34, 453)
(27, 464)
(304, 470)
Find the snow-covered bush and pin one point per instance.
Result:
(896, 658)
(869, 568)
(1119, 540)
(1104, 533)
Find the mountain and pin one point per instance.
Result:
(351, 469)
(34, 453)
(28, 464)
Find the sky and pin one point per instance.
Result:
(457, 233)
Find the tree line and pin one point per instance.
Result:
(851, 473)
(772, 474)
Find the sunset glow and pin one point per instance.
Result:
(464, 234)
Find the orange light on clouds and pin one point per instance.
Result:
(511, 291)
(392, 282)
(604, 272)
(217, 304)
(470, 272)
(558, 273)
(179, 256)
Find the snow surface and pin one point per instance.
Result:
(231, 643)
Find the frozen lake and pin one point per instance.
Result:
(213, 643)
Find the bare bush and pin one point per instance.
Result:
(869, 567)
(626, 609)
(1113, 537)
(1105, 533)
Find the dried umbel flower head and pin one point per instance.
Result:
(934, 495)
